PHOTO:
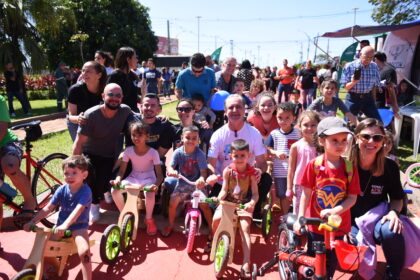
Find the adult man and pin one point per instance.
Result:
(285, 78)
(308, 86)
(10, 155)
(225, 79)
(219, 150)
(388, 77)
(13, 90)
(361, 92)
(196, 79)
(363, 44)
(153, 79)
(210, 64)
(100, 140)
(61, 85)
(274, 83)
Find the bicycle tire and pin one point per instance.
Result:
(266, 221)
(25, 274)
(410, 177)
(222, 255)
(48, 176)
(191, 235)
(110, 245)
(126, 231)
(283, 244)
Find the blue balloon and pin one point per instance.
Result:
(386, 116)
(217, 102)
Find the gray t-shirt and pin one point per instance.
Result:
(328, 110)
(104, 134)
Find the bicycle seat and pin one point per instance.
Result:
(26, 125)
(290, 220)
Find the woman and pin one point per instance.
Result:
(263, 117)
(85, 94)
(379, 179)
(126, 60)
(105, 59)
(246, 74)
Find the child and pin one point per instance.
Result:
(74, 199)
(328, 104)
(239, 88)
(190, 162)
(257, 86)
(202, 111)
(278, 145)
(239, 178)
(263, 117)
(294, 99)
(330, 185)
(389, 147)
(301, 153)
(146, 171)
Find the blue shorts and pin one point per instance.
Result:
(281, 187)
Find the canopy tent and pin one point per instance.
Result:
(357, 30)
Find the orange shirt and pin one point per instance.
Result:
(286, 71)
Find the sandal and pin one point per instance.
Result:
(151, 227)
(207, 248)
(166, 232)
(245, 274)
(24, 216)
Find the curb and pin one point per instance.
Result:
(48, 117)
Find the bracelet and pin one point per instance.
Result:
(396, 212)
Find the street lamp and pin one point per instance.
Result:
(198, 33)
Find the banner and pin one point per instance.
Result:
(347, 56)
(216, 54)
(163, 46)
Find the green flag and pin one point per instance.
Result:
(216, 54)
(347, 56)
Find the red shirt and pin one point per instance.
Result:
(330, 187)
(258, 122)
(286, 72)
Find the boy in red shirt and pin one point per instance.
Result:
(330, 188)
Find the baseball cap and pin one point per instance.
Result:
(331, 126)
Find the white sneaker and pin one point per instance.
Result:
(94, 213)
(108, 197)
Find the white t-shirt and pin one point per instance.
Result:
(223, 137)
(143, 164)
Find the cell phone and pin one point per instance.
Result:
(357, 73)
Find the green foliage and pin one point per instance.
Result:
(109, 26)
(395, 11)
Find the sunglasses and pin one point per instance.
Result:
(181, 109)
(116, 95)
(197, 71)
(375, 137)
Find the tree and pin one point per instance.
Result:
(109, 26)
(395, 11)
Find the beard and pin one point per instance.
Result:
(112, 107)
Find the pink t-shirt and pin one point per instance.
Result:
(305, 153)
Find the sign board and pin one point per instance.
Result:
(163, 46)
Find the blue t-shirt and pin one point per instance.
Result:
(190, 84)
(68, 201)
(152, 77)
(189, 165)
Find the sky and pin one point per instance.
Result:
(263, 31)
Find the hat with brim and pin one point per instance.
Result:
(331, 126)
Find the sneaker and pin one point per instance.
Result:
(108, 197)
(28, 114)
(13, 115)
(151, 227)
(94, 213)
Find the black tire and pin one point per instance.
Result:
(127, 231)
(48, 176)
(110, 245)
(266, 221)
(221, 255)
(25, 274)
(284, 243)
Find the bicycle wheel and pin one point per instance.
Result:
(126, 231)
(48, 176)
(412, 175)
(110, 245)
(26, 274)
(283, 244)
(266, 221)
(191, 235)
(222, 255)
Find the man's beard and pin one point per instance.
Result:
(111, 107)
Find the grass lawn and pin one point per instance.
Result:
(39, 107)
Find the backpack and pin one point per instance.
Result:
(349, 167)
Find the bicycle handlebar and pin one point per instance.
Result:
(122, 187)
(35, 228)
(210, 200)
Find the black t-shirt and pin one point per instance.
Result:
(11, 85)
(307, 78)
(84, 99)
(377, 189)
(128, 84)
(204, 134)
(388, 74)
(161, 135)
(273, 83)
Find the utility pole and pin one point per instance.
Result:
(301, 51)
(169, 38)
(328, 46)
(316, 44)
(259, 61)
(215, 42)
(198, 33)
(307, 51)
(354, 22)
(231, 47)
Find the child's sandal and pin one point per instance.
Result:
(151, 227)
(245, 274)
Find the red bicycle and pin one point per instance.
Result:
(293, 261)
(47, 174)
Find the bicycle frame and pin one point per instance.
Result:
(7, 201)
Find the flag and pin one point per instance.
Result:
(216, 54)
(348, 55)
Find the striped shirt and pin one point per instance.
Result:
(370, 76)
(280, 141)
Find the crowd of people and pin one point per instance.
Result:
(232, 122)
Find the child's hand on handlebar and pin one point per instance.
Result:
(172, 173)
(297, 228)
(249, 206)
(200, 183)
(115, 182)
(153, 188)
(60, 230)
(327, 212)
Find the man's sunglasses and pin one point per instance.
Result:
(182, 109)
(116, 95)
(375, 137)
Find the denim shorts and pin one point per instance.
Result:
(281, 187)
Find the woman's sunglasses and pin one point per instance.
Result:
(181, 109)
(375, 137)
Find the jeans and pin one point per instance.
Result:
(308, 96)
(286, 88)
(72, 129)
(18, 94)
(362, 103)
(167, 88)
(392, 244)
